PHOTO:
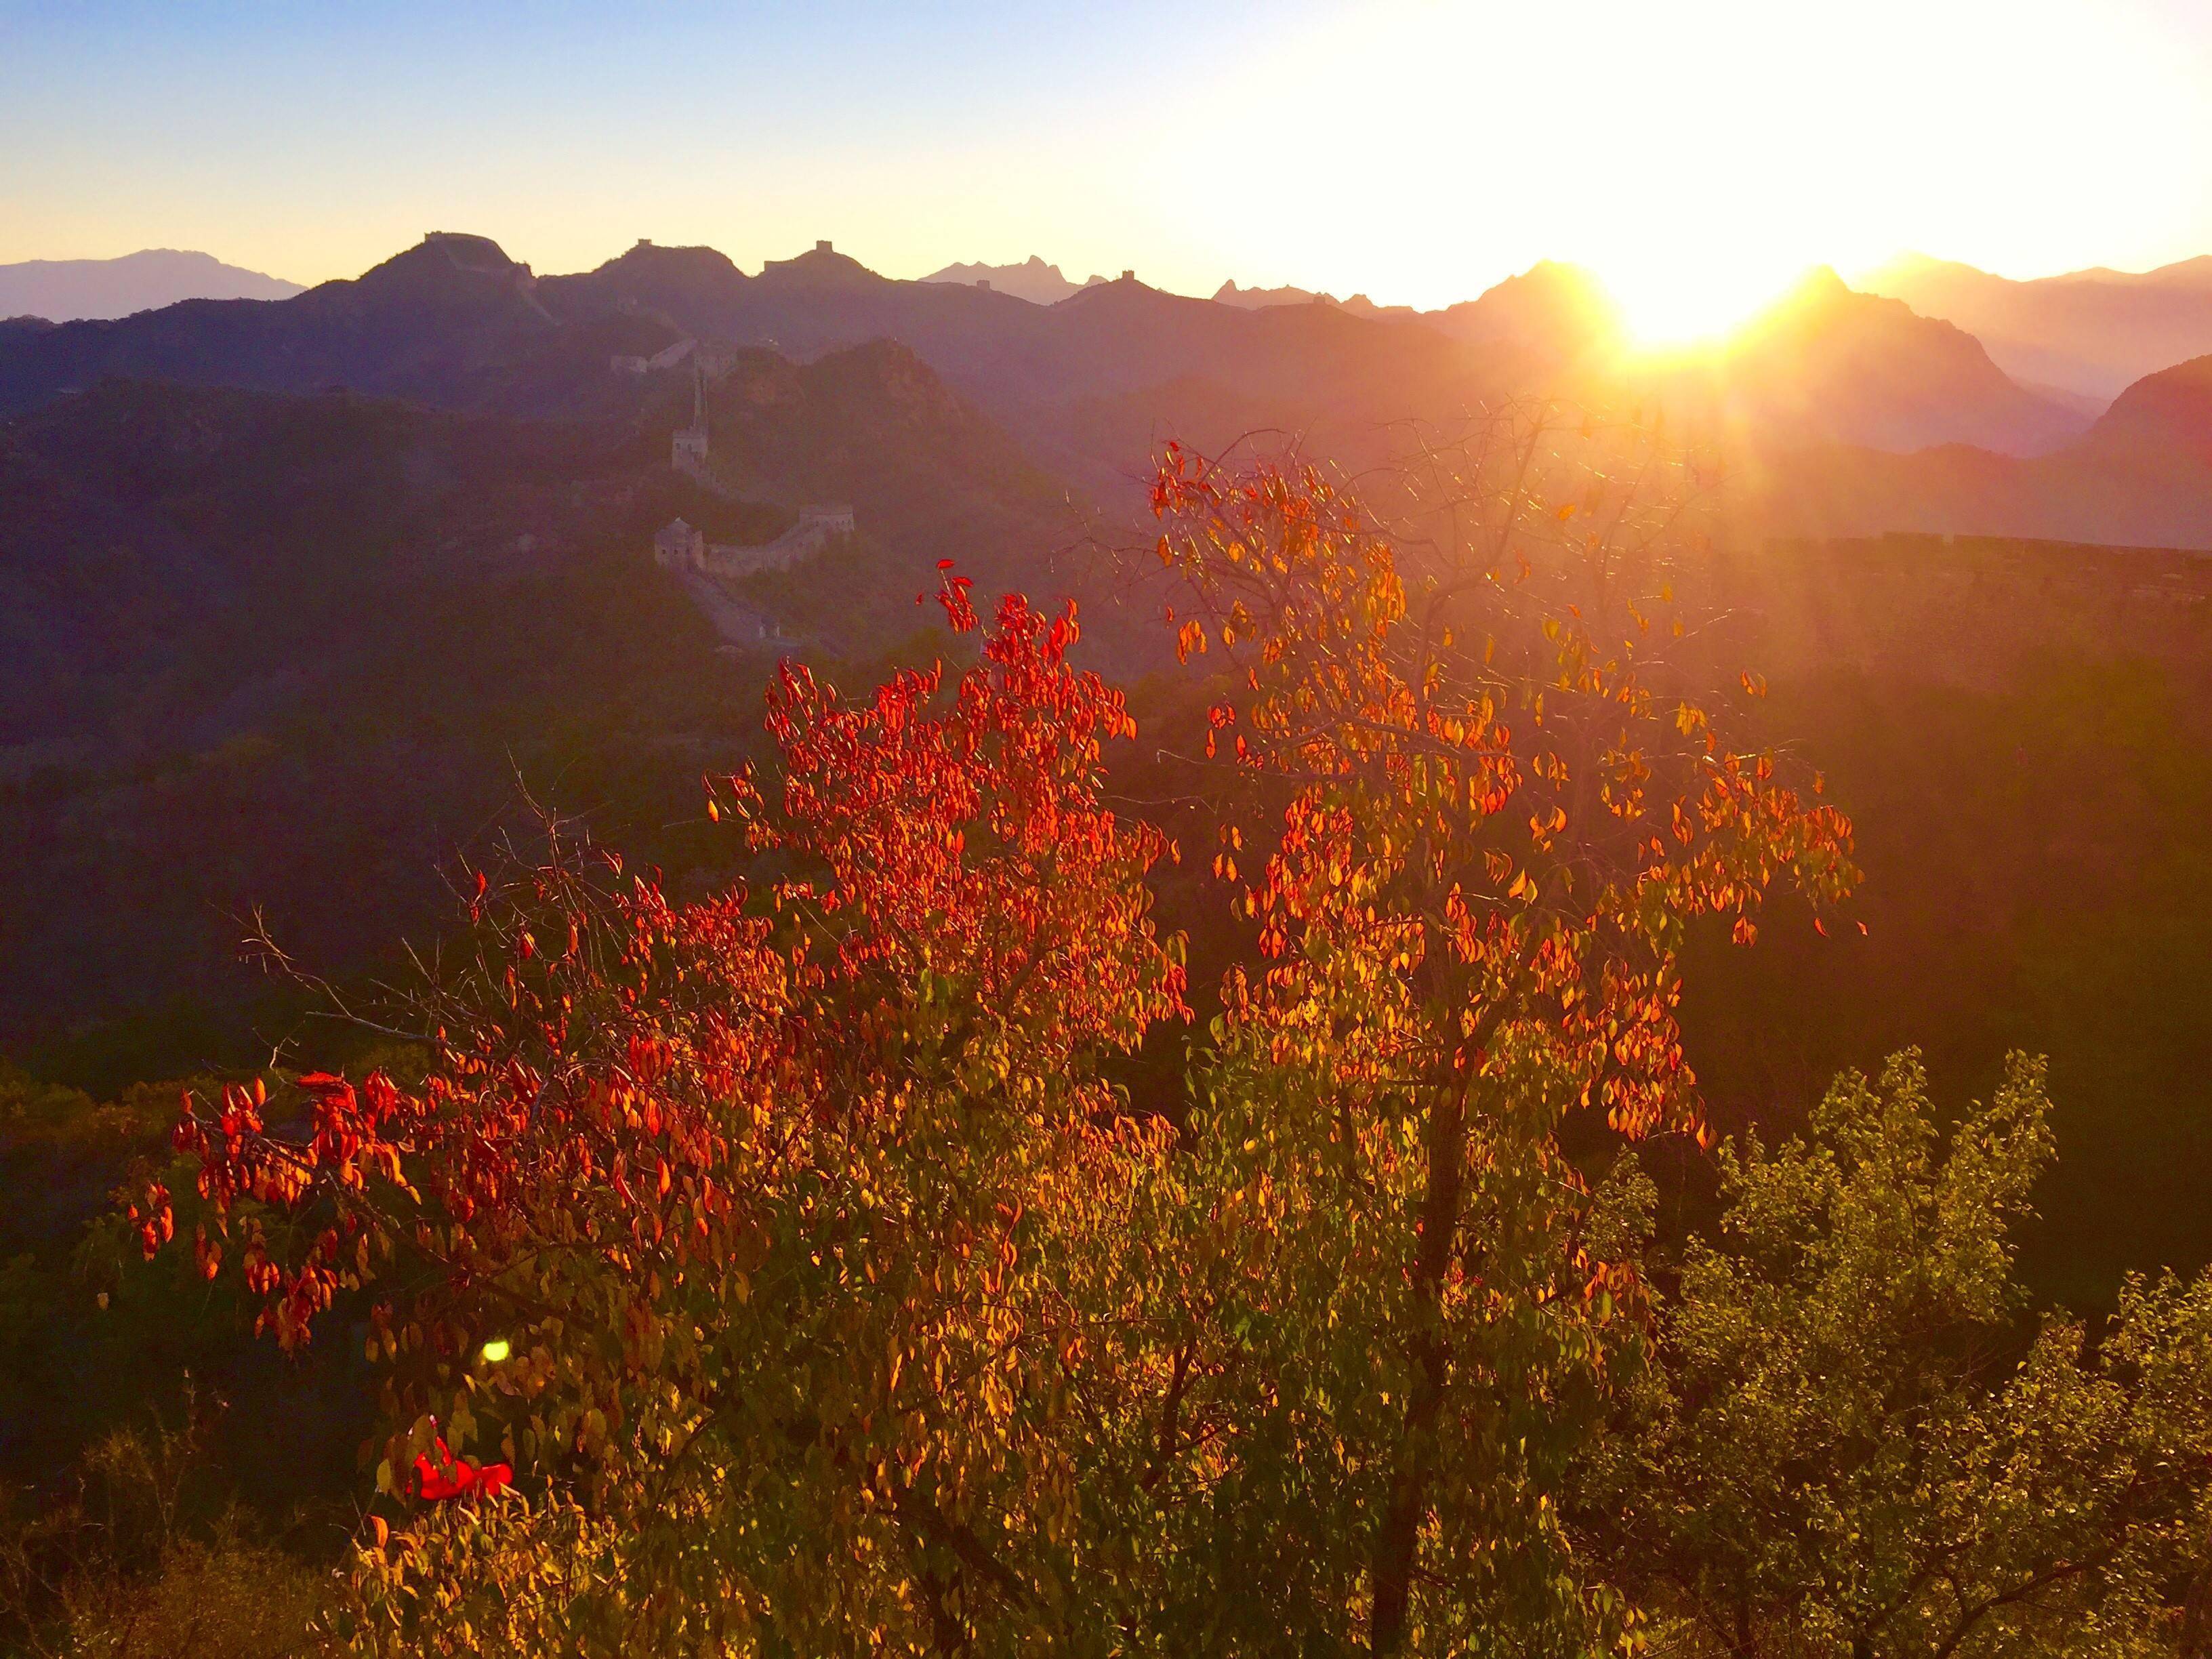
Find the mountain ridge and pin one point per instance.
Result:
(1863, 369)
(1092, 382)
(73, 290)
(2095, 331)
(1032, 279)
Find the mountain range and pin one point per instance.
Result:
(1032, 280)
(454, 322)
(1838, 408)
(2140, 476)
(2077, 340)
(1091, 381)
(1259, 299)
(65, 290)
(2090, 332)
(1827, 363)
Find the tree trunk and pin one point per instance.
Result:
(1398, 1540)
(2196, 1634)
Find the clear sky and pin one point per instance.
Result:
(1412, 149)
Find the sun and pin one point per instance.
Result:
(1668, 304)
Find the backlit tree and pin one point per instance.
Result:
(1486, 809)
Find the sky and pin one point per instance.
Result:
(1699, 154)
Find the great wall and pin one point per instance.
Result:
(704, 567)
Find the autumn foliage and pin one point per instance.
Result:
(846, 1302)
(765, 1194)
(1470, 908)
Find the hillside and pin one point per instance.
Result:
(2140, 476)
(691, 289)
(2092, 331)
(292, 651)
(928, 476)
(2169, 412)
(1829, 364)
(284, 652)
(66, 290)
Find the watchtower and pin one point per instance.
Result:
(688, 452)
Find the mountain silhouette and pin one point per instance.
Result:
(693, 289)
(2093, 332)
(1032, 280)
(66, 290)
(1092, 383)
(452, 321)
(1828, 363)
(444, 563)
(2195, 273)
(2140, 476)
(1259, 299)
(1559, 311)
(2169, 411)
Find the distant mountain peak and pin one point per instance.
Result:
(1830, 362)
(1553, 307)
(1033, 280)
(2195, 273)
(70, 290)
(1560, 278)
(1910, 262)
(2095, 331)
(1263, 299)
(1259, 299)
(650, 268)
(1817, 302)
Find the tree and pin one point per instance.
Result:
(1496, 808)
(765, 1234)
(797, 1249)
(1847, 1442)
